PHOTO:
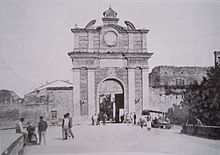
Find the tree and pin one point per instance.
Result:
(203, 101)
(178, 114)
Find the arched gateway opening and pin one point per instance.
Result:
(111, 99)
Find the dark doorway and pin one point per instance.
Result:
(106, 107)
(119, 104)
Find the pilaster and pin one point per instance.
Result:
(131, 90)
(91, 91)
(145, 86)
(76, 91)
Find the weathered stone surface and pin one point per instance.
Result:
(138, 91)
(171, 75)
(84, 92)
(217, 58)
(168, 84)
(9, 108)
(160, 101)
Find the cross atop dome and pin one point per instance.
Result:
(110, 17)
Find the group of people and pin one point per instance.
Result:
(145, 119)
(30, 136)
(129, 118)
(67, 125)
(96, 119)
(29, 132)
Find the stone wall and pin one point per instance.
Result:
(32, 112)
(46, 101)
(168, 83)
(160, 100)
(9, 114)
(92, 40)
(172, 76)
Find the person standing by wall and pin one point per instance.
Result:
(127, 118)
(135, 117)
(70, 125)
(142, 121)
(95, 119)
(42, 127)
(32, 137)
(104, 118)
(131, 118)
(20, 129)
(149, 120)
(92, 120)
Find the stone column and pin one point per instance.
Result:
(131, 90)
(145, 86)
(76, 91)
(91, 91)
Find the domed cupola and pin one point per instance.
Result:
(110, 17)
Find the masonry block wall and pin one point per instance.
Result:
(168, 83)
(173, 76)
(9, 108)
(52, 103)
(9, 114)
(60, 101)
(161, 101)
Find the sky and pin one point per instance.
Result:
(35, 36)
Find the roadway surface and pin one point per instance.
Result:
(124, 139)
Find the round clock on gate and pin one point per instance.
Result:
(110, 38)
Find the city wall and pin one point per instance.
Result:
(161, 99)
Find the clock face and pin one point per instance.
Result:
(110, 38)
